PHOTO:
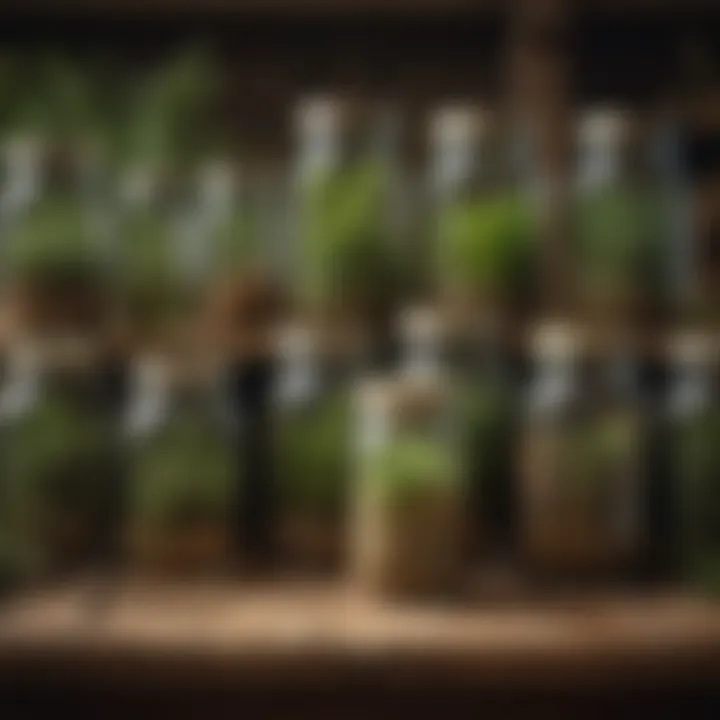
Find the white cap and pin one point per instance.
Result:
(603, 127)
(458, 125)
(218, 179)
(696, 348)
(555, 341)
(296, 340)
(420, 324)
(321, 115)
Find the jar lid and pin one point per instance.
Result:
(556, 341)
(296, 340)
(695, 347)
(604, 127)
(458, 125)
(421, 324)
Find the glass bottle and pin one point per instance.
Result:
(622, 219)
(482, 244)
(345, 209)
(582, 460)
(482, 249)
(407, 517)
(183, 467)
(696, 421)
(59, 444)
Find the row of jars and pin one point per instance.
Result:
(350, 233)
(578, 468)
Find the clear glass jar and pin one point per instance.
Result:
(312, 450)
(695, 416)
(407, 516)
(582, 461)
(344, 196)
(184, 473)
(623, 219)
(59, 452)
(482, 246)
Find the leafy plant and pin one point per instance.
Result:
(700, 474)
(620, 231)
(183, 476)
(414, 468)
(485, 245)
(314, 457)
(168, 122)
(347, 255)
(56, 458)
(53, 235)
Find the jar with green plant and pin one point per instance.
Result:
(57, 455)
(53, 251)
(696, 421)
(182, 477)
(482, 244)
(166, 134)
(581, 462)
(407, 502)
(313, 451)
(347, 265)
(622, 220)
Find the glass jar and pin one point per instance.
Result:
(407, 517)
(696, 418)
(312, 449)
(482, 245)
(184, 468)
(622, 219)
(59, 452)
(344, 185)
(582, 458)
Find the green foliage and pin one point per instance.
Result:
(236, 239)
(18, 563)
(416, 467)
(485, 245)
(597, 451)
(183, 475)
(53, 236)
(55, 459)
(487, 435)
(347, 254)
(314, 457)
(699, 446)
(621, 230)
(169, 113)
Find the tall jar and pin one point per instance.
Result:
(407, 515)
(343, 193)
(312, 450)
(59, 455)
(582, 459)
(622, 220)
(183, 468)
(482, 245)
(696, 420)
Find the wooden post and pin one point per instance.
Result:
(540, 101)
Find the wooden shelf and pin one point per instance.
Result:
(320, 634)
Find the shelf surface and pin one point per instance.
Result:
(321, 633)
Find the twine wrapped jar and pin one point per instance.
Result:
(407, 517)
